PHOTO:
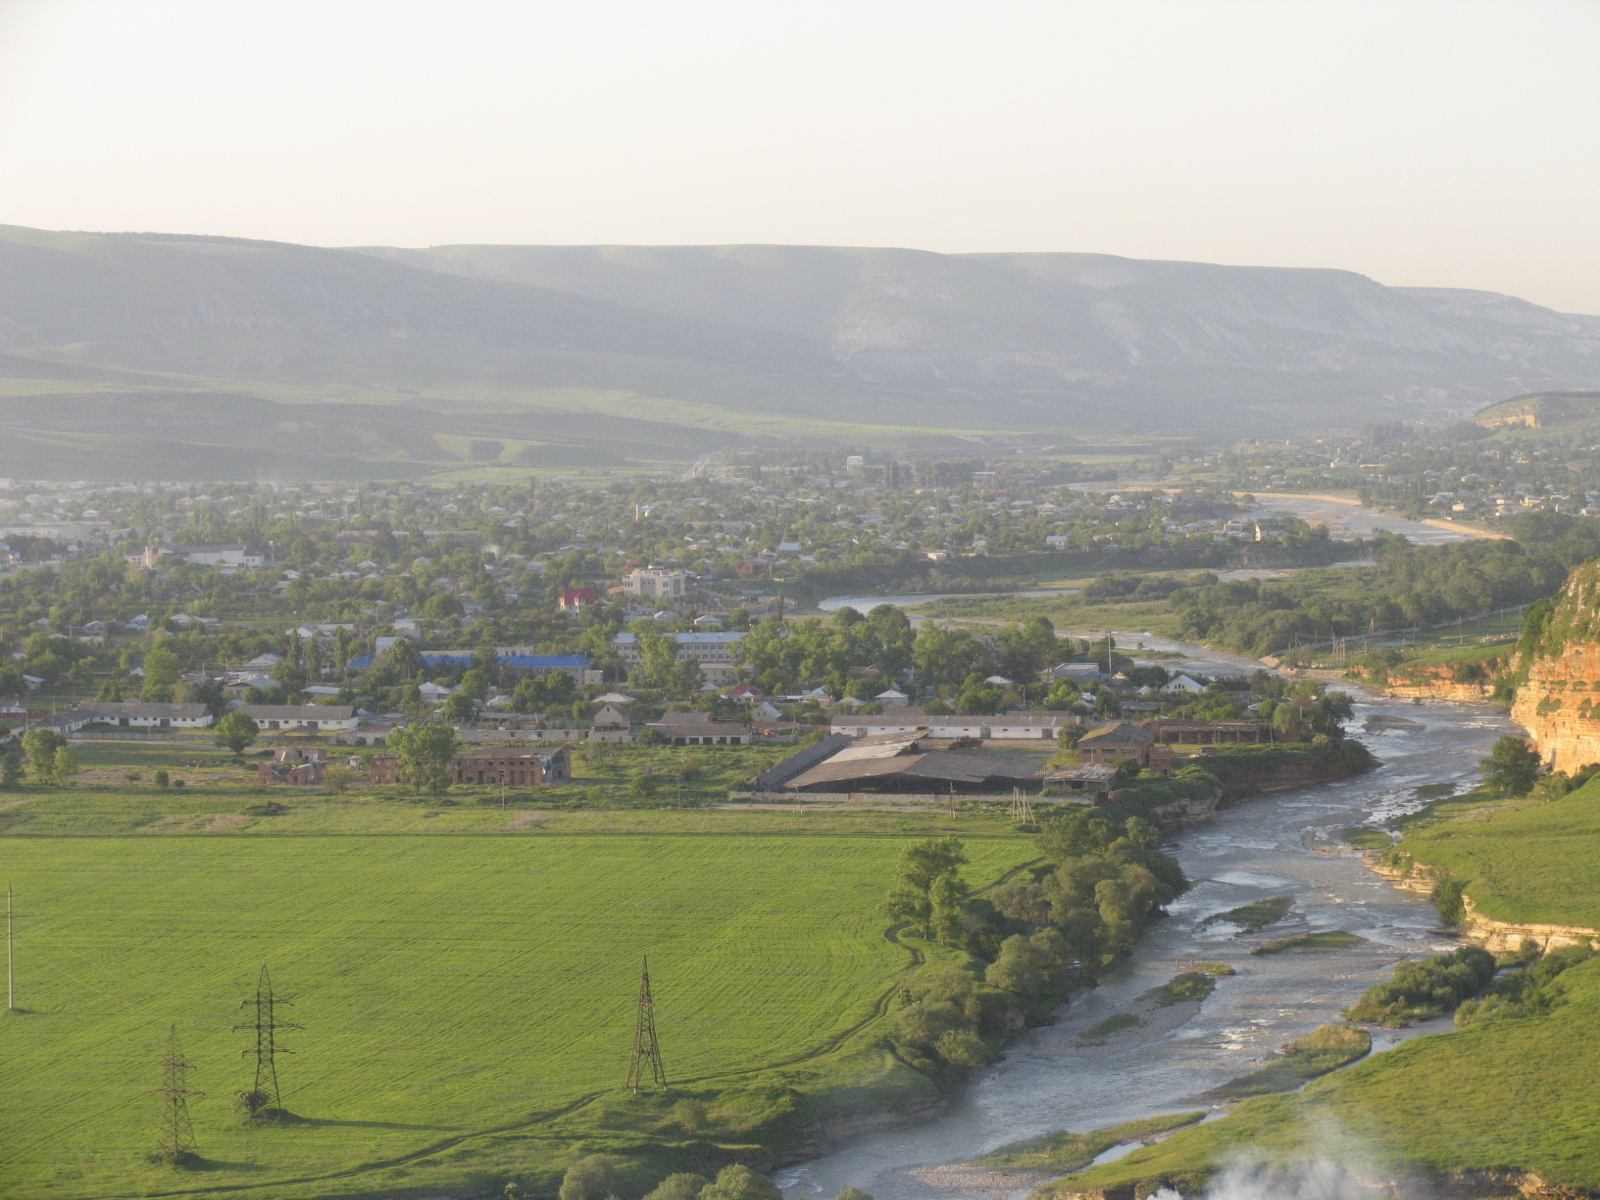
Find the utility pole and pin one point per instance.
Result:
(177, 1133)
(263, 1099)
(646, 1058)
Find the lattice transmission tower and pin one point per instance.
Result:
(262, 1099)
(645, 1064)
(177, 1134)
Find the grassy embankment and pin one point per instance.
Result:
(467, 1000)
(1513, 1093)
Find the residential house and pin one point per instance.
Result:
(512, 765)
(305, 718)
(1119, 741)
(1182, 685)
(575, 600)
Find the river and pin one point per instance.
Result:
(1281, 845)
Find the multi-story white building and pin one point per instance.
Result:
(655, 583)
(712, 651)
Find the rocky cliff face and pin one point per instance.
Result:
(1559, 704)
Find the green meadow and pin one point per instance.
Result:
(467, 1002)
(1530, 859)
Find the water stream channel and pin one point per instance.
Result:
(1279, 845)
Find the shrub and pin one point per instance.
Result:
(1422, 990)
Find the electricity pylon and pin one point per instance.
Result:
(177, 1134)
(263, 1096)
(646, 1058)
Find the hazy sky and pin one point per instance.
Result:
(1423, 142)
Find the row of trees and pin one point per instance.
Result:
(1037, 937)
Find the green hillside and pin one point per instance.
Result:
(1540, 410)
(637, 356)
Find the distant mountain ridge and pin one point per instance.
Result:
(612, 353)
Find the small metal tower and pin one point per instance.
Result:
(646, 1060)
(177, 1134)
(263, 1096)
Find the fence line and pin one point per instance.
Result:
(1347, 638)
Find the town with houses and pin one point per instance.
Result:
(534, 621)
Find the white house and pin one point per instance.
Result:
(309, 717)
(232, 556)
(893, 698)
(1182, 685)
(135, 714)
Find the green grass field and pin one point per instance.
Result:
(450, 987)
(1519, 860)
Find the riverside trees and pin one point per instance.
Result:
(1041, 933)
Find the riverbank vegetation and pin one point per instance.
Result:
(1074, 1151)
(1039, 936)
(1324, 1049)
(1422, 990)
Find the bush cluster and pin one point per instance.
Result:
(1042, 933)
(1532, 991)
(1422, 990)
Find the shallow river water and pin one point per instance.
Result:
(1279, 845)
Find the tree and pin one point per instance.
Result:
(681, 1186)
(338, 777)
(458, 707)
(1511, 768)
(160, 675)
(917, 900)
(11, 769)
(594, 1177)
(641, 786)
(1289, 722)
(422, 755)
(64, 766)
(947, 899)
(851, 1193)
(41, 745)
(739, 1182)
(237, 731)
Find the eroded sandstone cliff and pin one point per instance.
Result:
(1559, 703)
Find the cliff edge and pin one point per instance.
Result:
(1559, 702)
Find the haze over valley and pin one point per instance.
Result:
(128, 354)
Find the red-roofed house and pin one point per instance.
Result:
(574, 600)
